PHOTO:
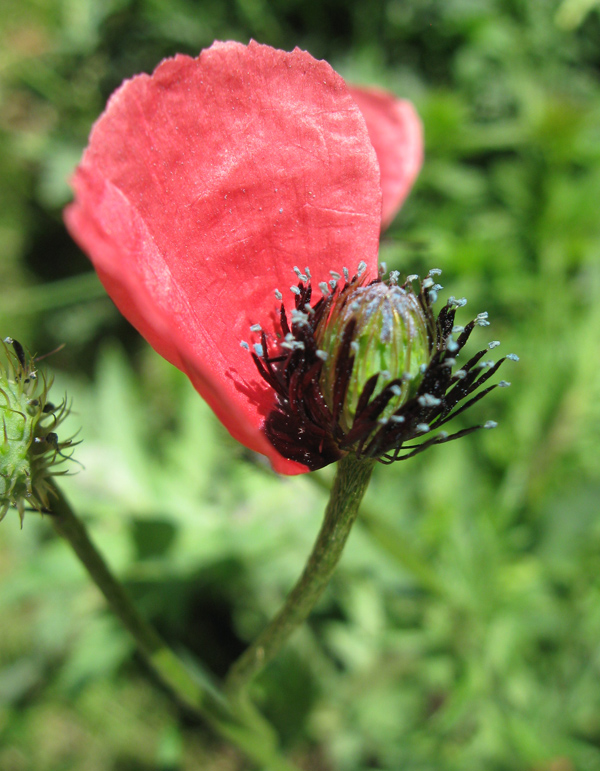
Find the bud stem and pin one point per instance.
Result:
(246, 729)
(351, 481)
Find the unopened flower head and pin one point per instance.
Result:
(29, 446)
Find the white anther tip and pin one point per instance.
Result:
(429, 400)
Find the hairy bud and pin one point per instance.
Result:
(29, 445)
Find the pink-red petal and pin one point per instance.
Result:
(202, 186)
(396, 133)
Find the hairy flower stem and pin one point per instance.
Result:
(244, 728)
(351, 481)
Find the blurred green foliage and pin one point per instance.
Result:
(462, 630)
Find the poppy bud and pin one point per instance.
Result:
(29, 445)
(381, 329)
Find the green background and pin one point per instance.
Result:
(469, 638)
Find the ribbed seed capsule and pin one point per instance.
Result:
(384, 330)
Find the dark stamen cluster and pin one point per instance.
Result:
(305, 428)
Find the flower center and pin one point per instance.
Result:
(367, 368)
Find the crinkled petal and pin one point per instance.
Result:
(397, 136)
(202, 186)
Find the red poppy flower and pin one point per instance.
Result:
(205, 184)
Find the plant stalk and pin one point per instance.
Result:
(351, 481)
(245, 729)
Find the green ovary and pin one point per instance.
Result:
(390, 336)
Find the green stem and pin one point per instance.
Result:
(350, 484)
(246, 729)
